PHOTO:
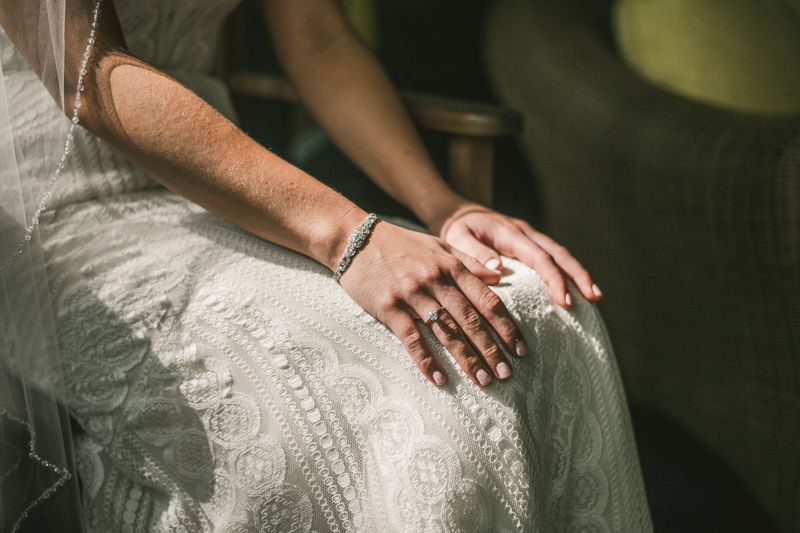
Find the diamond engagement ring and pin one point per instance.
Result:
(433, 316)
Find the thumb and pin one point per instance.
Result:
(486, 275)
(486, 256)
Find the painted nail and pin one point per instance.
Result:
(483, 377)
(493, 264)
(596, 290)
(503, 371)
(521, 348)
(439, 378)
(568, 299)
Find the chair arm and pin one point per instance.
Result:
(266, 86)
(449, 115)
(461, 117)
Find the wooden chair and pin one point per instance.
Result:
(472, 126)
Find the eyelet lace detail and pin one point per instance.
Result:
(253, 391)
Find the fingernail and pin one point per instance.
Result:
(521, 348)
(503, 371)
(596, 290)
(568, 299)
(483, 377)
(493, 264)
(439, 378)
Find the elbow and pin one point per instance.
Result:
(83, 92)
(97, 110)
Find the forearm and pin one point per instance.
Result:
(193, 150)
(348, 92)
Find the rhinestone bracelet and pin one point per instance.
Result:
(354, 243)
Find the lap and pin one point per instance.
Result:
(224, 381)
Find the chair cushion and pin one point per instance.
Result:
(739, 54)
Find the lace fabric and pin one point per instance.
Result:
(227, 384)
(238, 388)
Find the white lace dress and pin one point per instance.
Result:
(228, 384)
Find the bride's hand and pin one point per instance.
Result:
(401, 275)
(486, 235)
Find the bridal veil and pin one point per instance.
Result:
(56, 39)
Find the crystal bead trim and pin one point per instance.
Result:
(67, 146)
(63, 473)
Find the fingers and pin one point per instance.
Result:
(474, 248)
(485, 274)
(534, 256)
(480, 367)
(406, 330)
(485, 242)
(561, 257)
(425, 275)
(474, 295)
(461, 329)
(461, 313)
(449, 333)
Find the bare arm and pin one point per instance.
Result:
(193, 150)
(189, 147)
(182, 142)
(347, 91)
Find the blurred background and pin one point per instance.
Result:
(661, 147)
(428, 46)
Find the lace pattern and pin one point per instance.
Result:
(232, 385)
(227, 384)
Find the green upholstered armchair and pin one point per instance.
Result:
(688, 217)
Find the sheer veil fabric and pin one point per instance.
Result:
(35, 447)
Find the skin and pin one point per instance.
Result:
(399, 275)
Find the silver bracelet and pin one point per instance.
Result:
(354, 243)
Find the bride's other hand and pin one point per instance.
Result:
(401, 275)
(486, 235)
(352, 98)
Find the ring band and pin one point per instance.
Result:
(433, 316)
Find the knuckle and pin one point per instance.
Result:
(453, 264)
(390, 304)
(492, 352)
(431, 275)
(412, 286)
(426, 364)
(471, 320)
(550, 272)
(450, 332)
(415, 344)
(492, 303)
(507, 330)
(560, 251)
(542, 256)
(470, 363)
